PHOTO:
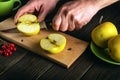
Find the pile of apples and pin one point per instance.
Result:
(105, 36)
(28, 25)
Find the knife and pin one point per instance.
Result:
(8, 25)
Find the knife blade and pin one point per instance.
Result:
(7, 24)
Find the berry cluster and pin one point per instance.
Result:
(7, 49)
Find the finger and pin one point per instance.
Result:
(71, 26)
(64, 24)
(56, 22)
(21, 11)
(78, 25)
(42, 14)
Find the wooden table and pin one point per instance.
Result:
(25, 65)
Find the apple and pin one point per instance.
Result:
(28, 24)
(114, 48)
(102, 33)
(53, 43)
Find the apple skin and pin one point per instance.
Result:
(102, 33)
(114, 48)
(54, 43)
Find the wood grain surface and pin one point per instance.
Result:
(74, 48)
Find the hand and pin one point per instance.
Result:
(74, 15)
(41, 7)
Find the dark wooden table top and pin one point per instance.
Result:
(25, 65)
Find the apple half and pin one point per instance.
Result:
(53, 43)
(28, 24)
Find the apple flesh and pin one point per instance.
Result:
(28, 25)
(54, 43)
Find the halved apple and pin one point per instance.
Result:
(28, 24)
(53, 43)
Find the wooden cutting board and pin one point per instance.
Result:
(74, 48)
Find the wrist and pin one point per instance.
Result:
(48, 0)
(104, 3)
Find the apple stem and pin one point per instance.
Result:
(101, 18)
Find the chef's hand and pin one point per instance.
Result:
(74, 14)
(41, 7)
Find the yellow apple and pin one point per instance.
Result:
(102, 33)
(114, 48)
(53, 43)
(28, 24)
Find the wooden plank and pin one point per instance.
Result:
(75, 72)
(66, 58)
(7, 62)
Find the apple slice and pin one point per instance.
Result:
(28, 24)
(54, 43)
(27, 18)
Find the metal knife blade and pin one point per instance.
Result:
(7, 24)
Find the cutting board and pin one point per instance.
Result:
(74, 47)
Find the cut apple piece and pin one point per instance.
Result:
(54, 43)
(27, 18)
(29, 29)
(28, 25)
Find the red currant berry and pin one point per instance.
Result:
(3, 47)
(12, 45)
(1, 51)
(14, 49)
(6, 54)
(10, 53)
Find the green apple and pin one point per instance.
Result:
(53, 43)
(102, 33)
(28, 24)
(114, 48)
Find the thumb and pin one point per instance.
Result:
(42, 15)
